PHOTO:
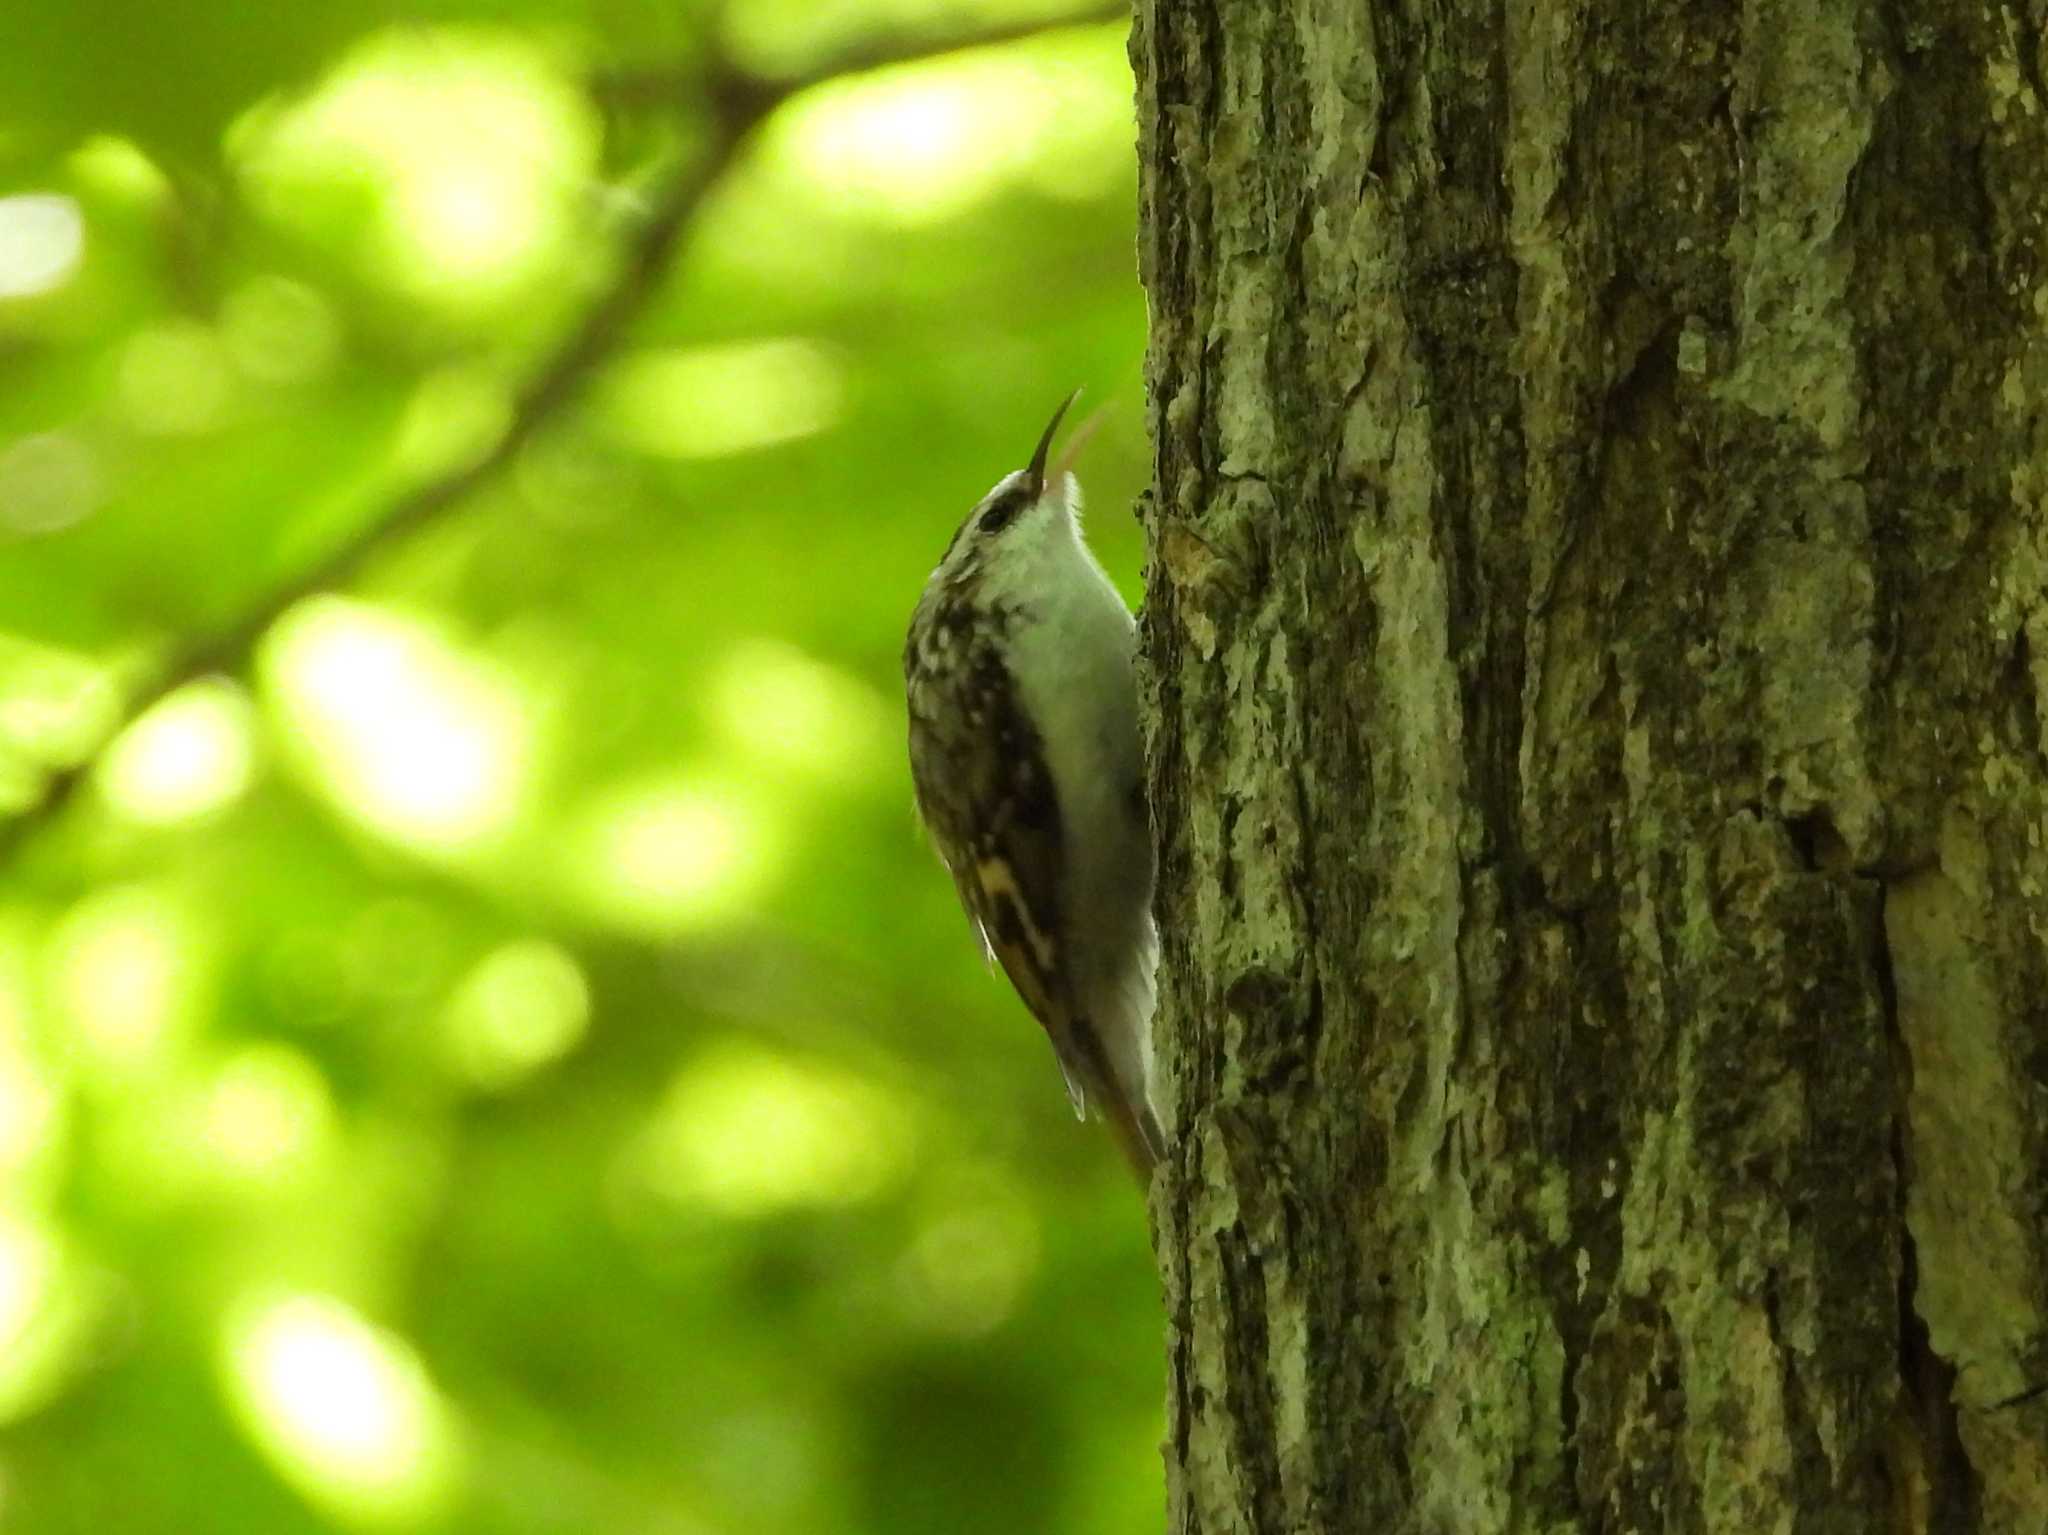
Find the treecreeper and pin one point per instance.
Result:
(1025, 756)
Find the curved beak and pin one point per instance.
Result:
(1036, 470)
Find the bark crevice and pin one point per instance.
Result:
(1933, 1487)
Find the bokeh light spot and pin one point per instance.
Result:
(26, 1259)
(117, 170)
(708, 402)
(671, 853)
(42, 238)
(55, 705)
(972, 1257)
(746, 1133)
(786, 710)
(344, 1410)
(454, 418)
(174, 379)
(49, 1306)
(425, 745)
(473, 151)
(524, 1005)
(188, 756)
(916, 143)
(30, 1109)
(48, 481)
(279, 331)
(266, 1115)
(122, 974)
(920, 143)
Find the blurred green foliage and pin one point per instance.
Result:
(493, 1053)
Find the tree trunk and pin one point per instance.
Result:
(1598, 647)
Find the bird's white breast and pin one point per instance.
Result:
(1071, 654)
(1070, 651)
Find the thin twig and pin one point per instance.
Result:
(739, 101)
(551, 387)
(666, 85)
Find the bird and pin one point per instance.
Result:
(1028, 771)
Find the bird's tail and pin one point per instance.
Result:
(1129, 1103)
(1137, 1133)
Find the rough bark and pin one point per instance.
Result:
(1597, 634)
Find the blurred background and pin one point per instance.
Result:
(483, 1045)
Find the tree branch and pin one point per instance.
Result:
(666, 85)
(739, 100)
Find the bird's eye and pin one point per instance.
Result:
(1003, 510)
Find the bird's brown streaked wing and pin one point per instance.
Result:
(1001, 805)
(996, 801)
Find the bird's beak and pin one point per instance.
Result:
(1037, 468)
